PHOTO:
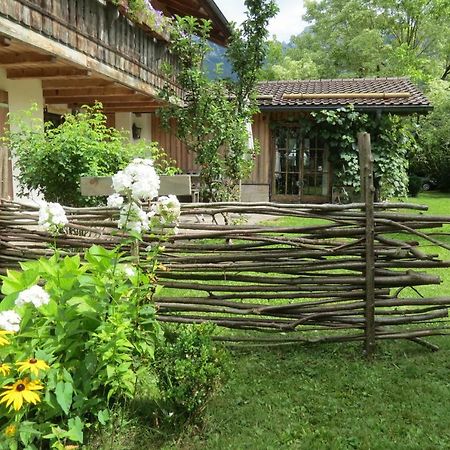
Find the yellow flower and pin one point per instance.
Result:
(21, 390)
(3, 340)
(5, 369)
(33, 365)
(10, 430)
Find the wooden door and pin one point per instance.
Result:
(300, 169)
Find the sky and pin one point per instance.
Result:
(287, 23)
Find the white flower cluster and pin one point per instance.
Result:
(133, 218)
(10, 321)
(35, 295)
(139, 179)
(167, 209)
(52, 216)
(115, 201)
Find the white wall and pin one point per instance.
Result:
(22, 94)
(125, 121)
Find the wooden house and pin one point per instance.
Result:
(61, 54)
(293, 166)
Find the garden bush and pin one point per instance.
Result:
(188, 368)
(52, 160)
(76, 334)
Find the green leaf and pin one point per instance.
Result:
(75, 432)
(64, 392)
(103, 416)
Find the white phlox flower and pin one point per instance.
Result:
(52, 216)
(129, 271)
(139, 179)
(115, 201)
(35, 295)
(168, 209)
(10, 321)
(133, 218)
(121, 182)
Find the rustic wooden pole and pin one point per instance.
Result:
(368, 193)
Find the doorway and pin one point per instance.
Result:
(300, 167)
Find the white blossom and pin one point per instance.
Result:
(115, 201)
(10, 321)
(121, 182)
(168, 209)
(139, 179)
(35, 295)
(133, 218)
(129, 271)
(52, 216)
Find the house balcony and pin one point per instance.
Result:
(83, 51)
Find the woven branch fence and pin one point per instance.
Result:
(323, 281)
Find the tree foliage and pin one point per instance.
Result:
(373, 37)
(432, 158)
(213, 120)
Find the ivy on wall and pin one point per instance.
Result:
(392, 140)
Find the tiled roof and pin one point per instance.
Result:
(393, 94)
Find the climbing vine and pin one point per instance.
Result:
(392, 140)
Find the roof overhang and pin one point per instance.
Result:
(202, 9)
(308, 108)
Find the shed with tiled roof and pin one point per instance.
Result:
(295, 164)
(366, 94)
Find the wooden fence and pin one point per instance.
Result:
(299, 281)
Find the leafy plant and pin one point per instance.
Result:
(213, 121)
(432, 157)
(92, 333)
(188, 367)
(52, 160)
(392, 140)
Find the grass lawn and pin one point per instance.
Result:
(328, 397)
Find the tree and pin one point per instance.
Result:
(214, 116)
(376, 38)
(432, 158)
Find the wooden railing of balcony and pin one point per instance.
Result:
(94, 28)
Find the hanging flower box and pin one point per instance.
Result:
(142, 13)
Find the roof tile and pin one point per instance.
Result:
(276, 89)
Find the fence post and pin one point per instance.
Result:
(367, 197)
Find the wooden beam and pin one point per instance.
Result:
(76, 83)
(131, 109)
(43, 43)
(17, 59)
(89, 92)
(45, 73)
(4, 41)
(140, 104)
(91, 100)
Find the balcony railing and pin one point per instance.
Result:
(97, 29)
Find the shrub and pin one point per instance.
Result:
(52, 160)
(414, 186)
(432, 158)
(188, 367)
(76, 336)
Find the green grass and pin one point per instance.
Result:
(329, 397)
(326, 396)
